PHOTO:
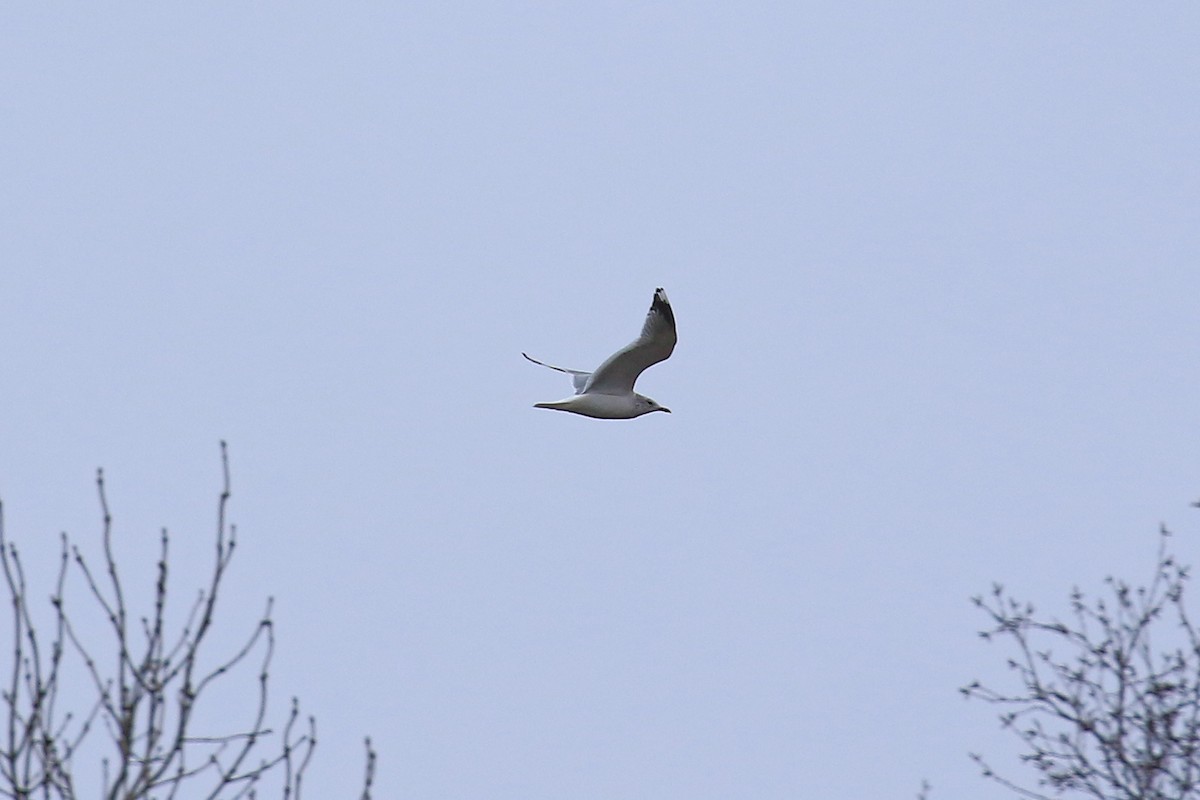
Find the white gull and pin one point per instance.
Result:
(608, 392)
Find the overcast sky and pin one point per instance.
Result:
(936, 271)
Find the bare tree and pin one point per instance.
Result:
(146, 682)
(1107, 703)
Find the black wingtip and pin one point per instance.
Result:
(662, 305)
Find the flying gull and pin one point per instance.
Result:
(608, 392)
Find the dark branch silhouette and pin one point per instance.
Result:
(1107, 703)
(147, 682)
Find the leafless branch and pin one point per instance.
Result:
(1100, 709)
(369, 778)
(146, 696)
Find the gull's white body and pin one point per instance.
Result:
(608, 392)
(600, 406)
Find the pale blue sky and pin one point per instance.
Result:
(936, 270)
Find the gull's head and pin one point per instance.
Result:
(644, 405)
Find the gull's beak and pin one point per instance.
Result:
(664, 408)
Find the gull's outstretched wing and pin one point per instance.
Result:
(620, 371)
(578, 378)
